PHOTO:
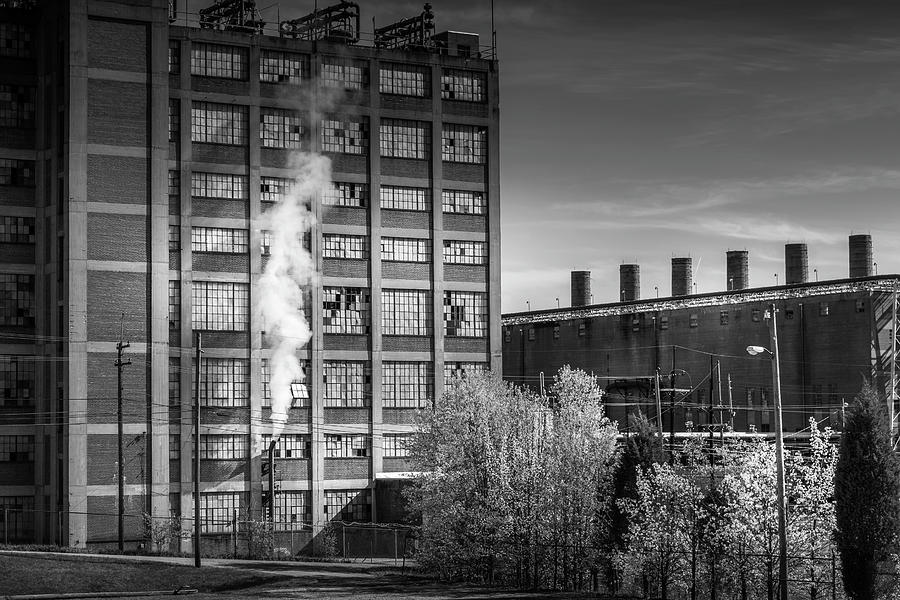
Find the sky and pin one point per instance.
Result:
(640, 130)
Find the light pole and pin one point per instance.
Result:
(816, 273)
(779, 451)
(656, 287)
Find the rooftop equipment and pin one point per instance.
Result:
(336, 23)
(629, 283)
(581, 288)
(408, 34)
(861, 256)
(232, 15)
(737, 265)
(682, 276)
(796, 263)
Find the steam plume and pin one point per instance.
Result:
(290, 268)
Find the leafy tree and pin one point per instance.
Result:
(867, 494)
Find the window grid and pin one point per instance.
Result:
(289, 445)
(224, 382)
(396, 445)
(174, 57)
(395, 197)
(464, 144)
(461, 252)
(349, 505)
(346, 74)
(174, 119)
(174, 238)
(404, 80)
(345, 136)
(463, 202)
(346, 310)
(216, 239)
(299, 389)
(16, 40)
(265, 242)
(17, 230)
(219, 306)
(16, 300)
(407, 384)
(406, 312)
(455, 370)
(217, 510)
(174, 446)
(16, 172)
(346, 446)
(465, 314)
(17, 379)
(274, 189)
(216, 60)
(283, 67)
(213, 123)
(223, 447)
(174, 184)
(223, 186)
(16, 448)
(292, 507)
(335, 245)
(17, 105)
(174, 382)
(469, 86)
(174, 304)
(280, 128)
(346, 194)
(416, 250)
(404, 139)
(347, 384)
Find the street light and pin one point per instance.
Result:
(656, 287)
(779, 449)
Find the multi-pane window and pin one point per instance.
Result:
(465, 314)
(217, 60)
(345, 74)
(463, 85)
(345, 310)
(406, 384)
(299, 389)
(223, 447)
(346, 136)
(335, 245)
(292, 507)
(17, 105)
(265, 242)
(174, 382)
(404, 80)
(279, 128)
(223, 186)
(174, 238)
(16, 172)
(346, 194)
(406, 312)
(461, 252)
(174, 304)
(219, 306)
(453, 370)
(405, 249)
(16, 300)
(289, 445)
(283, 67)
(346, 446)
(346, 383)
(16, 40)
(213, 123)
(348, 505)
(397, 197)
(224, 382)
(16, 381)
(404, 139)
(274, 189)
(217, 239)
(174, 184)
(174, 119)
(463, 202)
(174, 57)
(217, 510)
(396, 445)
(174, 446)
(17, 230)
(16, 448)
(464, 143)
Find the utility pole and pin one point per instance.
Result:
(672, 417)
(730, 402)
(272, 445)
(892, 397)
(659, 423)
(120, 348)
(197, 454)
(779, 457)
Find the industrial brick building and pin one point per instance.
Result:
(832, 334)
(137, 152)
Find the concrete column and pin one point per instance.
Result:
(437, 227)
(375, 275)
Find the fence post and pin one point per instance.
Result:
(833, 577)
(5, 524)
(234, 531)
(395, 546)
(344, 541)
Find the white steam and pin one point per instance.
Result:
(289, 270)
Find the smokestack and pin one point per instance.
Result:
(581, 288)
(738, 269)
(796, 263)
(861, 256)
(682, 276)
(629, 282)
